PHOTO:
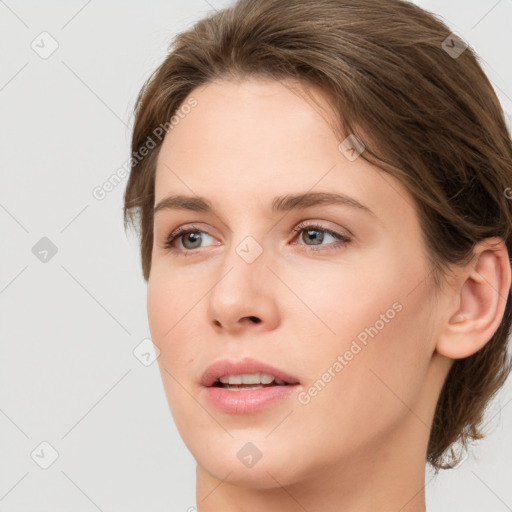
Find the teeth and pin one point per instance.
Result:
(250, 378)
(233, 379)
(238, 388)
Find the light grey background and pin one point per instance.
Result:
(69, 326)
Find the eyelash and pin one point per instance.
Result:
(175, 235)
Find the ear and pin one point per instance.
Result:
(480, 294)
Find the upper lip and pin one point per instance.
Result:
(244, 366)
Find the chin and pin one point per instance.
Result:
(246, 460)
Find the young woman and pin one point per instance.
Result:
(320, 190)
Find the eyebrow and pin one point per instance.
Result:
(284, 203)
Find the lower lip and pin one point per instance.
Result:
(248, 401)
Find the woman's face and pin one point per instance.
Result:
(346, 317)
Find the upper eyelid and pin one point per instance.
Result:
(193, 227)
(181, 230)
(338, 230)
(308, 221)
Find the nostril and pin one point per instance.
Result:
(255, 319)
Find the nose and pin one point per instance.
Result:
(244, 295)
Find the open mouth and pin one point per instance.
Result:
(242, 387)
(248, 381)
(246, 386)
(245, 374)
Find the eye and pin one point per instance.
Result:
(316, 233)
(191, 239)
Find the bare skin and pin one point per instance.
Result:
(358, 444)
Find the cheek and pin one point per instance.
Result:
(347, 302)
(171, 296)
(377, 388)
(382, 336)
(170, 307)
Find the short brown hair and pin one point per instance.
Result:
(426, 116)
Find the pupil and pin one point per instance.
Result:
(191, 236)
(318, 238)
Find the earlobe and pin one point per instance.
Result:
(481, 295)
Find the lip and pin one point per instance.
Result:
(250, 400)
(246, 365)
